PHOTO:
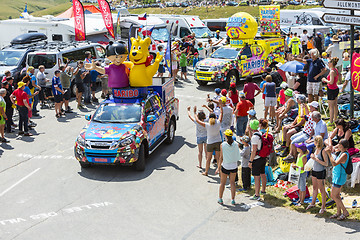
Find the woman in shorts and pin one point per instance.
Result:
(318, 173)
(270, 97)
(200, 133)
(332, 90)
(339, 177)
(213, 138)
(229, 155)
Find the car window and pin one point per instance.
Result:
(246, 52)
(77, 55)
(147, 107)
(156, 103)
(100, 51)
(48, 60)
(184, 32)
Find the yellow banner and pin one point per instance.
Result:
(269, 21)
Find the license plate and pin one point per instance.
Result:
(102, 160)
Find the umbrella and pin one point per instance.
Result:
(293, 66)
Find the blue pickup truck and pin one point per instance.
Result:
(129, 126)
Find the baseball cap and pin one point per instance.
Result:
(245, 139)
(217, 30)
(21, 84)
(318, 33)
(217, 90)
(196, 53)
(232, 85)
(301, 145)
(284, 85)
(223, 92)
(254, 124)
(314, 104)
(324, 54)
(252, 112)
(223, 99)
(228, 132)
(289, 92)
(30, 68)
(301, 97)
(242, 94)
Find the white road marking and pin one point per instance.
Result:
(25, 155)
(18, 182)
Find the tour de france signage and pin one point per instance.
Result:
(339, 18)
(241, 27)
(342, 4)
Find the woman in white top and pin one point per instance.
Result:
(229, 155)
(213, 137)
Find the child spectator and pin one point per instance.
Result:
(161, 69)
(283, 86)
(183, 64)
(262, 86)
(245, 170)
(3, 117)
(300, 163)
(249, 89)
(233, 94)
(196, 59)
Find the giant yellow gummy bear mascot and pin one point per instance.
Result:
(142, 72)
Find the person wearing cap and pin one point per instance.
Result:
(285, 111)
(229, 102)
(270, 98)
(23, 106)
(241, 113)
(327, 41)
(217, 36)
(335, 51)
(233, 93)
(3, 117)
(227, 167)
(161, 68)
(227, 121)
(281, 96)
(257, 163)
(252, 116)
(296, 125)
(300, 163)
(317, 69)
(213, 137)
(195, 60)
(250, 88)
(245, 158)
(318, 42)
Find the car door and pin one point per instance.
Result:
(155, 128)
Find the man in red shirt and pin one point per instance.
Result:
(241, 113)
(22, 102)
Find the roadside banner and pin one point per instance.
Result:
(79, 19)
(106, 14)
(355, 71)
(269, 21)
(118, 29)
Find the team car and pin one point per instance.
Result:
(126, 128)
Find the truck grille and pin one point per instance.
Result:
(204, 68)
(101, 155)
(98, 144)
(199, 74)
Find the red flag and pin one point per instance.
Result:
(79, 18)
(355, 71)
(106, 14)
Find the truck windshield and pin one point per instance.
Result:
(160, 34)
(10, 57)
(202, 32)
(226, 53)
(117, 113)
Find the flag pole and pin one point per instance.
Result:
(352, 12)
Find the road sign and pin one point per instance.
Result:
(341, 19)
(342, 4)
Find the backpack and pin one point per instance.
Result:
(276, 78)
(349, 166)
(266, 144)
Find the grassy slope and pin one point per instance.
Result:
(13, 8)
(211, 12)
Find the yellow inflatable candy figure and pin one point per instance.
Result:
(241, 26)
(142, 72)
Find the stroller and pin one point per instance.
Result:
(49, 101)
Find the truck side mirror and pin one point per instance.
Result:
(88, 117)
(150, 118)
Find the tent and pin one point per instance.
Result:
(88, 9)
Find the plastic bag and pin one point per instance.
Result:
(294, 175)
(309, 165)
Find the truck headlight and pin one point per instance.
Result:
(81, 141)
(126, 141)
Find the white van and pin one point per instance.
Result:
(55, 54)
(185, 25)
(217, 24)
(301, 17)
(312, 29)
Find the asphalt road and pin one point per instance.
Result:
(44, 194)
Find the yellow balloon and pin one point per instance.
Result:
(241, 25)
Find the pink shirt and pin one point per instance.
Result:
(333, 86)
(118, 77)
(249, 90)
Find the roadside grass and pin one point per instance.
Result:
(208, 12)
(55, 10)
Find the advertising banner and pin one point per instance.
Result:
(106, 14)
(355, 71)
(79, 18)
(269, 21)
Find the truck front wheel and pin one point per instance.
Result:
(231, 77)
(171, 132)
(140, 163)
(202, 83)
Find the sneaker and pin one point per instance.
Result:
(68, 111)
(4, 140)
(233, 202)
(285, 152)
(80, 107)
(262, 193)
(281, 148)
(257, 198)
(289, 158)
(69, 108)
(27, 134)
(220, 201)
(35, 114)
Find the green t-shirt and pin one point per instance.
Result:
(183, 60)
(300, 163)
(3, 106)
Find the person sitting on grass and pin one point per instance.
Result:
(300, 163)
(229, 155)
(200, 134)
(342, 131)
(285, 111)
